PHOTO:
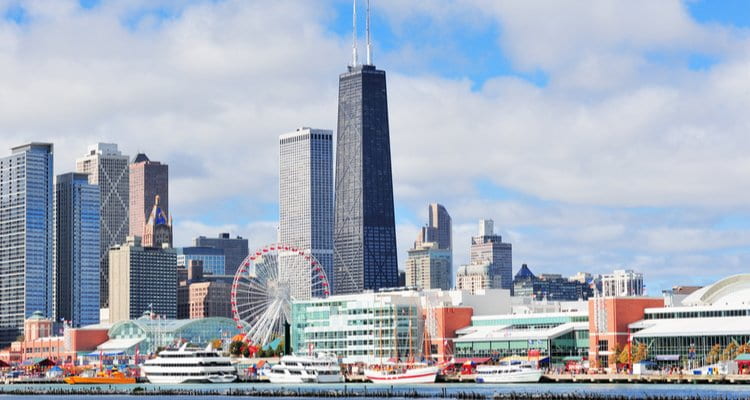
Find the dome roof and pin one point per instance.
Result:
(731, 291)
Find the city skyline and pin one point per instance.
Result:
(634, 165)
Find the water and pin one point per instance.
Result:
(631, 390)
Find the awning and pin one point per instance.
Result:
(37, 361)
(475, 360)
(668, 357)
(105, 353)
(573, 358)
(114, 345)
(4, 364)
(743, 357)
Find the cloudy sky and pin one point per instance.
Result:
(597, 134)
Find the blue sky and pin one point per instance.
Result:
(599, 135)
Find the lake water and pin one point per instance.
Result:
(218, 391)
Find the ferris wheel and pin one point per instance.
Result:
(266, 284)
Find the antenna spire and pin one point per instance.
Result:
(369, 44)
(354, 34)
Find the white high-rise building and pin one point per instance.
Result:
(306, 202)
(622, 283)
(108, 168)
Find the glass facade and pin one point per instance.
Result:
(77, 250)
(364, 226)
(364, 328)
(306, 202)
(156, 333)
(235, 249)
(108, 168)
(26, 232)
(214, 261)
(555, 336)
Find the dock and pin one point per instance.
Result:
(667, 378)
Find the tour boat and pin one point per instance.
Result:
(90, 377)
(319, 368)
(190, 365)
(406, 373)
(508, 373)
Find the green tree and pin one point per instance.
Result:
(235, 348)
(713, 354)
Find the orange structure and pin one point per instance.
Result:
(609, 318)
(447, 321)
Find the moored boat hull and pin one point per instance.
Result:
(98, 380)
(412, 376)
(515, 377)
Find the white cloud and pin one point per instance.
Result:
(210, 90)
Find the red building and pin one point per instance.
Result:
(609, 318)
(447, 321)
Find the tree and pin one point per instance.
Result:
(713, 354)
(743, 349)
(730, 352)
(641, 352)
(625, 355)
(235, 348)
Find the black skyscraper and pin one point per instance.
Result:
(365, 232)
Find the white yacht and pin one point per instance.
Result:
(320, 368)
(189, 365)
(514, 372)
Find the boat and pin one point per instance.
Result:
(318, 368)
(90, 377)
(402, 373)
(189, 365)
(513, 372)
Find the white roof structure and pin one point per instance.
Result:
(731, 291)
(723, 326)
(506, 332)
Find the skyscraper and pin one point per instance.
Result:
(490, 249)
(235, 249)
(438, 228)
(148, 179)
(430, 262)
(108, 168)
(26, 231)
(364, 227)
(76, 249)
(142, 279)
(306, 199)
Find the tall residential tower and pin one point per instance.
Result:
(108, 168)
(306, 199)
(76, 249)
(364, 239)
(26, 230)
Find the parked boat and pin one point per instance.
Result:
(190, 365)
(402, 373)
(513, 372)
(319, 368)
(91, 377)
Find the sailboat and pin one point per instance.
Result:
(395, 372)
